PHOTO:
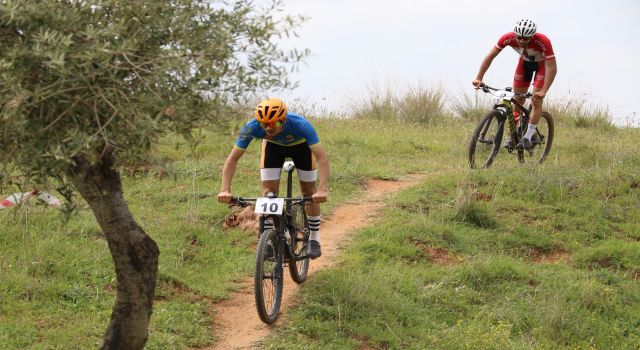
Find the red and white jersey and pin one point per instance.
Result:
(538, 49)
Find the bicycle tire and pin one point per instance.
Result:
(298, 268)
(493, 125)
(543, 136)
(549, 139)
(268, 278)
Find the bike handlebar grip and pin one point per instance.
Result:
(238, 200)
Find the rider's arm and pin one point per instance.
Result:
(484, 66)
(323, 172)
(228, 170)
(550, 74)
(550, 69)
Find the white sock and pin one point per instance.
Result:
(314, 228)
(530, 130)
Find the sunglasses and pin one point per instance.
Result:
(523, 38)
(271, 125)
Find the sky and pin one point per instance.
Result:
(360, 46)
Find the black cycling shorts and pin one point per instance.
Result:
(274, 155)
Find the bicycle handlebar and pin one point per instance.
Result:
(243, 202)
(486, 88)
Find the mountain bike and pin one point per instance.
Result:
(285, 244)
(487, 137)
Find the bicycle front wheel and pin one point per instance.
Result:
(485, 141)
(299, 264)
(268, 282)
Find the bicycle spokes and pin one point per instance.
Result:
(268, 281)
(299, 264)
(485, 141)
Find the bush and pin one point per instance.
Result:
(417, 105)
(580, 114)
(471, 107)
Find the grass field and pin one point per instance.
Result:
(520, 257)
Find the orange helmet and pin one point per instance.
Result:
(271, 110)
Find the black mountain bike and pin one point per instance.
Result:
(487, 137)
(285, 244)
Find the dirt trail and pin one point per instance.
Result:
(236, 323)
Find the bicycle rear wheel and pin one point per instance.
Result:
(298, 268)
(268, 282)
(542, 139)
(486, 139)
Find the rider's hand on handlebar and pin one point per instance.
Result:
(538, 95)
(320, 197)
(225, 197)
(477, 83)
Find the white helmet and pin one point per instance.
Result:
(525, 28)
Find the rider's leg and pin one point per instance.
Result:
(536, 103)
(532, 122)
(270, 186)
(271, 161)
(308, 188)
(536, 109)
(521, 82)
(307, 174)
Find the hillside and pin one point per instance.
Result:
(515, 256)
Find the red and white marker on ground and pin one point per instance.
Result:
(19, 197)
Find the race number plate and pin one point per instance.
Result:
(266, 205)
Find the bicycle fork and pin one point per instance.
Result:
(282, 246)
(507, 110)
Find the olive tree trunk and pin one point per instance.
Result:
(134, 253)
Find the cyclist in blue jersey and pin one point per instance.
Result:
(284, 135)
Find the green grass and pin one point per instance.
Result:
(529, 256)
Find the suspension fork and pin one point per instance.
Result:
(506, 115)
(504, 111)
(282, 245)
(483, 133)
(506, 108)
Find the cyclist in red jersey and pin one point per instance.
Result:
(536, 56)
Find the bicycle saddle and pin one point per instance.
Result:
(288, 166)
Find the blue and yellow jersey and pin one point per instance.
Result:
(295, 131)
